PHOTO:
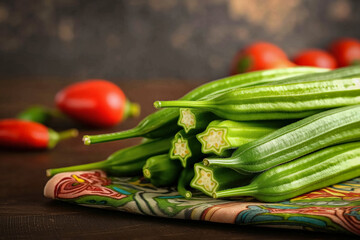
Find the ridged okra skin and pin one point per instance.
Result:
(209, 179)
(220, 136)
(125, 162)
(164, 122)
(194, 121)
(162, 171)
(186, 148)
(284, 101)
(328, 128)
(317, 170)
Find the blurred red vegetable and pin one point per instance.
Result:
(346, 51)
(96, 102)
(259, 56)
(21, 134)
(315, 58)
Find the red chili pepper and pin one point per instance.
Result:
(96, 102)
(259, 56)
(315, 58)
(21, 134)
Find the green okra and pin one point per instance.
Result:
(317, 170)
(186, 148)
(209, 179)
(194, 121)
(162, 171)
(183, 185)
(344, 72)
(223, 135)
(321, 130)
(125, 162)
(164, 122)
(286, 101)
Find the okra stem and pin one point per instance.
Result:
(134, 132)
(248, 190)
(184, 182)
(148, 127)
(220, 162)
(182, 103)
(126, 161)
(83, 167)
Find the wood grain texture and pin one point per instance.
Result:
(26, 214)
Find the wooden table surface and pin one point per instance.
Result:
(26, 214)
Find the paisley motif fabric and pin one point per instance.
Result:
(331, 209)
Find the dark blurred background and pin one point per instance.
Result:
(159, 39)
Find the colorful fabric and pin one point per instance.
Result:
(331, 209)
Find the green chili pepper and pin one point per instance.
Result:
(278, 101)
(209, 179)
(314, 171)
(162, 171)
(163, 123)
(185, 178)
(222, 135)
(38, 114)
(125, 162)
(295, 140)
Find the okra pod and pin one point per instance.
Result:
(209, 179)
(344, 72)
(124, 162)
(162, 171)
(222, 135)
(317, 170)
(194, 121)
(321, 130)
(164, 122)
(186, 148)
(185, 178)
(278, 101)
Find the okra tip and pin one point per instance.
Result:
(48, 172)
(157, 104)
(147, 173)
(86, 139)
(214, 195)
(206, 162)
(188, 195)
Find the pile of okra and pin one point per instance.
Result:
(272, 135)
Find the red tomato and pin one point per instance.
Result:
(346, 51)
(315, 58)
(95, 102)
(259, 56)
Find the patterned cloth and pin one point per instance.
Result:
(331, 209)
